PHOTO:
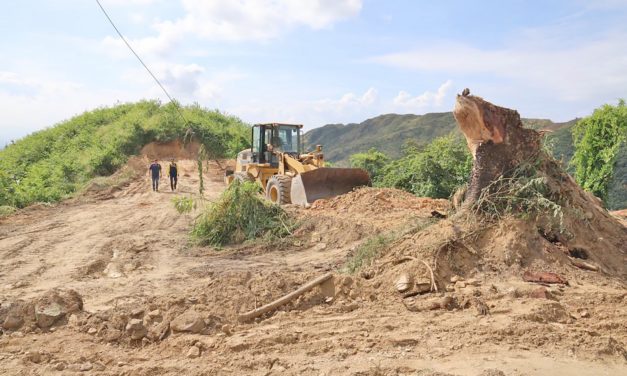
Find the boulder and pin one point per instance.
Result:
(193, 352)
(188, 321)
(12, 322)
(55, 305)
(136, 329)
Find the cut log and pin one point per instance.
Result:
(284, 299)
(496, 138)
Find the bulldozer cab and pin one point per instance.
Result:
(269, 139)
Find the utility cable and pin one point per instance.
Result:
(142, 63)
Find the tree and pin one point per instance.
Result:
(598, 139)
(372, 161)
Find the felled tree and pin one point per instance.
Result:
(512, 175)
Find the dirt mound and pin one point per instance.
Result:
(382, 207)
(576, 240)
(49, 309)
(172, 149)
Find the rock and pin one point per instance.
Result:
(59, 366)
(541, 293)
(73, 321)
(188, 321)
(154, 314)
(137, 312)
(112, 335)
(473, 282)
(33, 356)
(99, 367)
(403, 283)
(12, 322)
(160, 331)
(584, 314)
(320, 247)
(55, 305)
(48, 314)
(92, 331)
(226, 328)
(193, 352)
(460, 284)
(87, 366)
(136, 329)
(456, 278)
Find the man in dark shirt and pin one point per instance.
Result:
(155, 171)
(173, 173)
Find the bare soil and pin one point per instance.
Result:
(126, 252)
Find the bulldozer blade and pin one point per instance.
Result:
(326, 182)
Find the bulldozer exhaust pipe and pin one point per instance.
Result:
(326, 182)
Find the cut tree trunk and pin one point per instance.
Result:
(496, 138)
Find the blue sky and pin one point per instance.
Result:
(310, 61)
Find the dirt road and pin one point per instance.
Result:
(127, 254)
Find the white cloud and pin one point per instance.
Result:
(425, 100)
(568, 71)
(348, 102)
(29, 103)
(241, 20)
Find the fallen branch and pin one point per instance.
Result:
(584, 265)
(284, 299)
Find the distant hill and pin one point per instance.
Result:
(388, 133)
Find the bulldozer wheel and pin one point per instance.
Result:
(278, 189)
(242, 176)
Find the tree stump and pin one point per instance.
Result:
(496, 138)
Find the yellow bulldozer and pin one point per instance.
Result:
(288, 175)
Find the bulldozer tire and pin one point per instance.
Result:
(242, 177)
(278, 189)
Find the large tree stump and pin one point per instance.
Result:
(496, 138)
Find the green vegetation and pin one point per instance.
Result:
(368, 251)
(241, 214)
(6, 210)
(525, 193)
(52, 164)
(373, 161)
(183, 204)
(598, 141)
(436, 171)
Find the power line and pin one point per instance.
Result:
(142, 62)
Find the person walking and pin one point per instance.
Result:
(155, 171)
(173, 173)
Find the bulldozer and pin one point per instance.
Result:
(287, 174)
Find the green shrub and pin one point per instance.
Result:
(183, 204)
(436, 171)
(598, 140)
(367, 251)
(6, 211)
(240, 214)
(52, 164)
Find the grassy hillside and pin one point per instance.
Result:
(51, 164)
(389, 133)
